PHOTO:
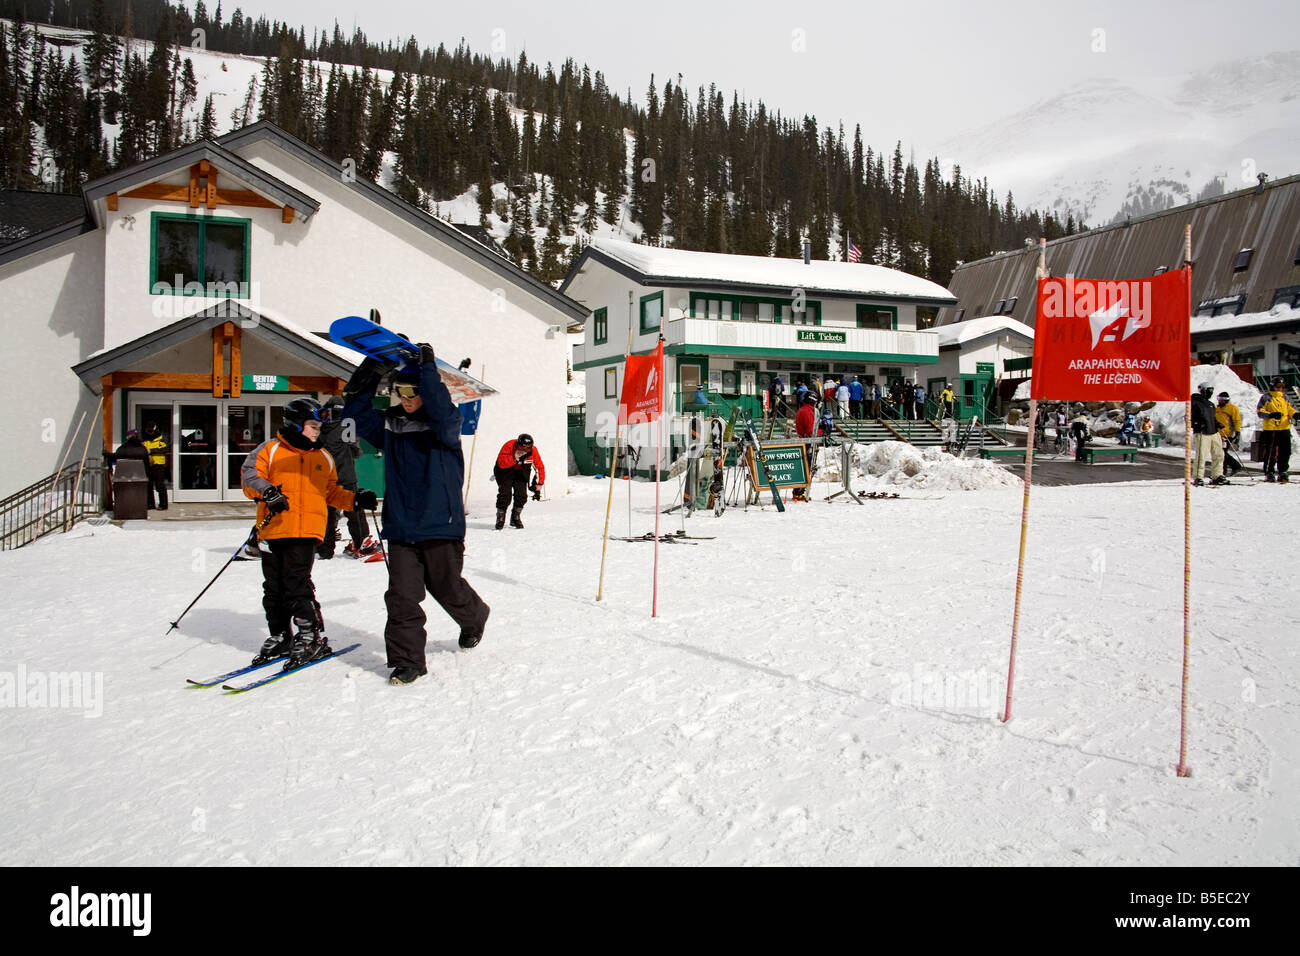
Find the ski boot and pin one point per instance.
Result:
(368, 547)
(501, 519)
(276, 646)
(308, 644)
(515, 521)
(1220, 481)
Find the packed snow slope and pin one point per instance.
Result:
(820, 687)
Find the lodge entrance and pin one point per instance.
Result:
(207, 438)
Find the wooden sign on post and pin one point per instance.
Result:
(786, 463)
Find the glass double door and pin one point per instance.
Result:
(207, 440)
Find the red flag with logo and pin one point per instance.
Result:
(642, 398)
(1121, 340)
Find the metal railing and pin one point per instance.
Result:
(55, 503)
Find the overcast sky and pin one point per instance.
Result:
(916, 70)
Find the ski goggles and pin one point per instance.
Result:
(404, 390)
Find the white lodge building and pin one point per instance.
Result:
(732, 323)
(193, 290)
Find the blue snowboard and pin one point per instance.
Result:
(377, 342)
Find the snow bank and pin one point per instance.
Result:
(1169, 416)
(895, 464)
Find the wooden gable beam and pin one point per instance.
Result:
(112, 202)
(193, 194)
(211, 198)
(286, 215)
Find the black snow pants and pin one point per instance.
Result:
(287, 591)
(413, 568)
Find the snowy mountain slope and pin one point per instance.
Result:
(1103, 143)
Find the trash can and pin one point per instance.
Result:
(130, 490)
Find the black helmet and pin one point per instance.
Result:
(151, 428)
(1224, 395)
(1207, 390)
(302, 410)
(407, 375)
(810, 399)
(525, 439)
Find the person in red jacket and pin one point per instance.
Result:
(515, 462)
(805, 424)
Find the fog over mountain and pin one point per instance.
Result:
(1106, 149)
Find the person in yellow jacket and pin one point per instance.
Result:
(295, 482)
(156, 465)
(1275, 414)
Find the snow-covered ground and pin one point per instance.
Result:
(820, 687)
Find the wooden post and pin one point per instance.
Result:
(218, 361)
(236, 361)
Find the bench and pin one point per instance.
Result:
(1129, 453)
(987, 453)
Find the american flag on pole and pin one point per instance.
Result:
(855, 254)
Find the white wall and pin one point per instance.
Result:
(352, 256)
(53, 302)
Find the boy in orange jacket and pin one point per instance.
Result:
(295, 482)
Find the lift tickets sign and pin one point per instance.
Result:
(1126, 340)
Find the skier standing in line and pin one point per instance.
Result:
(1208, 444)
(295, 482)
(1275, 414)
(423, 518)
(157, 445)
(514, 462)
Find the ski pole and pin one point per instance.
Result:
(379, 538)
(252, 536)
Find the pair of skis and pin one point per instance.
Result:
(278, 675)
(752, 439)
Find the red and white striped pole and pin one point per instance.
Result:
(1183, 769)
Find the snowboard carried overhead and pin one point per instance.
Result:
(377, 342)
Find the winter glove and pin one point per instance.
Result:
(1274, 415)
(365, 500)
(275, 500)
(426, 354)
(366, 378)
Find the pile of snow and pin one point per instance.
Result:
(896, 464)
(1169, 417)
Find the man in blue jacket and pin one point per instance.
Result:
(423, 518)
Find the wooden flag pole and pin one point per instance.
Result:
(613, 463)
(472, 447)
(1183, 769)
(659, 450)
(1024, 517)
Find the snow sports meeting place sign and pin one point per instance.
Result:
(1126, 340)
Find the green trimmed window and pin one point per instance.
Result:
(756, 309)
(601, 320)
(652, 312)
(877, 317)
(199, 255)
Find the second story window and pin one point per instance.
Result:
(199, 255)
(600, 319)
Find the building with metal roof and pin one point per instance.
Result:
(1246, 261)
